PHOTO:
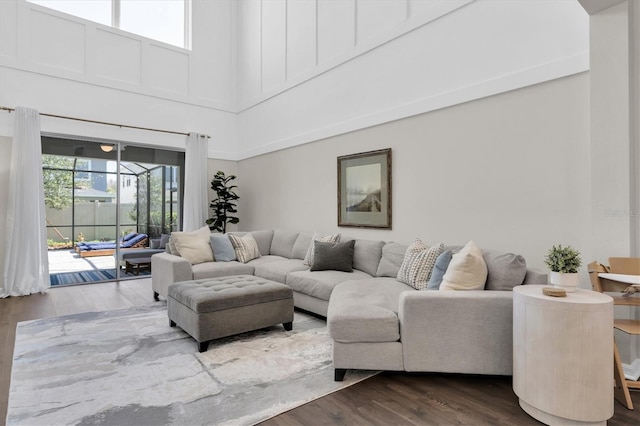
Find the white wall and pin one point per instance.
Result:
(610, 138)
(60, 64)
(509, 171)
(314, 69)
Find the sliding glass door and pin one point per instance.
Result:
(107, 205)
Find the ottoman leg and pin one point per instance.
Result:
(288, 326)
(155, 296)
(203, 346)
(339, 373)
(172, 323)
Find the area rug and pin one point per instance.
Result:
(128, 367)
(66, 278)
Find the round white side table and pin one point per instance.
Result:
(563, 355)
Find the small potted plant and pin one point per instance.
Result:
(563, 262)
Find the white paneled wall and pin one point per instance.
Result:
(377, 61)
(285, 42)
(40, 40)
(336, 35)
(65, 65)
(279, 73)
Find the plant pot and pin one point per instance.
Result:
(567, 281)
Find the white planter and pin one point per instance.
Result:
(569, 282)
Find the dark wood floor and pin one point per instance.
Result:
(386, 399)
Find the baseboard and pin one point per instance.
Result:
(632, 372)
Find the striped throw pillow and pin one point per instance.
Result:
(308, 259)
(246, 247)
(418, 264)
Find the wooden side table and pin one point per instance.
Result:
(562, 346)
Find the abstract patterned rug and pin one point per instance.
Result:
(129, 367)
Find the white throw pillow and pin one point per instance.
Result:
(193, 246)
(246, 247)
(466, 271)
(418, 263)
(308, 259)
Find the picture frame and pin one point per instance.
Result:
(364, 189)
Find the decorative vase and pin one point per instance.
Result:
(567, 281)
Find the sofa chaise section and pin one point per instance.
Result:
(382, 324)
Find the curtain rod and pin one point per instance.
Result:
(107, 123)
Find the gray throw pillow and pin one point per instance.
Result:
(154, 243)
(439, 269)
(505, 270)
(333, 256)
(222, 248)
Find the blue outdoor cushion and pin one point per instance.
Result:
(129, 236)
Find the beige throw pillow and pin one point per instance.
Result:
(308, 259)
(246, 247)
(193, 246)
(418, 263)
(466, 271)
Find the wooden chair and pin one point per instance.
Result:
(626, 266)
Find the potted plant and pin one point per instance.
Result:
(563, 262)
(224, 204)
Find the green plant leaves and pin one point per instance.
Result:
(563, 259)
(224, 204)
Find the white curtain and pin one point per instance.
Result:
(195, 182)
(26, 266)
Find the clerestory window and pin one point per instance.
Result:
(164, 20)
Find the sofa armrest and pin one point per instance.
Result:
(167, 269)
(457, 331)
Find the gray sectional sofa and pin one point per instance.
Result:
(377, 322)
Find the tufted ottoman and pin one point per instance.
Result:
(211, 308)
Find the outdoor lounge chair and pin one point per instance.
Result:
(131, 241)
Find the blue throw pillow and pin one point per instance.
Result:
(222, 248)
(439, 269)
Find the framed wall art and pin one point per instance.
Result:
(364, 189)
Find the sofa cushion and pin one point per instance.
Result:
(223, 250)
(194, 246)
(278, 269)
(263, 239)
(301, 246)
(504, 270)
(365, 311)
(391, 260)
(418, 264)
(309, 258)
(220, 269)
(246, 247)
(467, 270)
(367, 254)
(439, 269)
(320, 284)
(282, 243)
(333, 256)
